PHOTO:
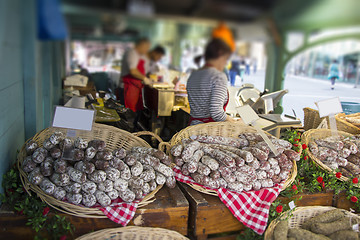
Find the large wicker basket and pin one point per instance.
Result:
(300, 215)
(135, 233)
(315, 134)
(225, 129)
(114, 138)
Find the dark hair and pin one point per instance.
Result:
(197, 59)
(141, 41)
(216, 48)
(159, 49)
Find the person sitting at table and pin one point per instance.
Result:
(207, 87)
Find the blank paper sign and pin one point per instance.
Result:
(73, 118)
(329, 107)
(247, 114)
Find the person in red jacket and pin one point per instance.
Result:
(133, 76)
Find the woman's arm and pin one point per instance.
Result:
(218, 97)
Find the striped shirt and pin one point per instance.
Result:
(207, 93)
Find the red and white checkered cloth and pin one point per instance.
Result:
(251, 208)
(119, 211)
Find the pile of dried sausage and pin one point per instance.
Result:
(340, 153)
(239, 164)
(95, 174)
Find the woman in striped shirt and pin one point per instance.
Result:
(207, 87)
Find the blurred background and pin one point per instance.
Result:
(287, 44)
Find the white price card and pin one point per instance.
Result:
(329, 107)
(355, 227)
(292, 205)
(73, 118)
(249, 116)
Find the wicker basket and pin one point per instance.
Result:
(312, 120)
(343, 125)
(300, 215)
(114, 138)
(225, 129)
(314, 134)
(135, 233)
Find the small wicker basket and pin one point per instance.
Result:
(225, 129)
(312, 120)
(314, 134)
(134, 233)
(300, 215)
(345, 126)
(114, 138)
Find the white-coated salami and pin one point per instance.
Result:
(102, 198)
(189, 150)
(121, 184)
(177, 150)
(88, 200)
(89, 187)
(127, 195)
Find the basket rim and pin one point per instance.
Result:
(346, 123)
(306, 139)
(270, 229)
(69, 208)
(176, 137)
(113, 231)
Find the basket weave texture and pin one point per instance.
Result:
(114, 138)
(314, 134)
(224, 129)
(300, 215)
(346, 126)
(312, 120)
(133, 233)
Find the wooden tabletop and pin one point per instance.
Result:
(208, 215)
(169, 210)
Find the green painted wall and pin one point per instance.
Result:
(30, 78)
(12, 130)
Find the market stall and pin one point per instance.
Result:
(222, 170)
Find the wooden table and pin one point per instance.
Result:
(169, 210)
(208, 215)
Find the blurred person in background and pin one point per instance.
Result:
(154, 56)
(133, 76)
(234, 71)
(247, 66)
(197, 62)
(254, 62)
(207, 87)
(333, 73)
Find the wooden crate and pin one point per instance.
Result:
(312, 199)
(169, 210)
(340, 201)
(208, 215)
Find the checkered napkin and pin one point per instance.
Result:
(120, 212)
(251, 208)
